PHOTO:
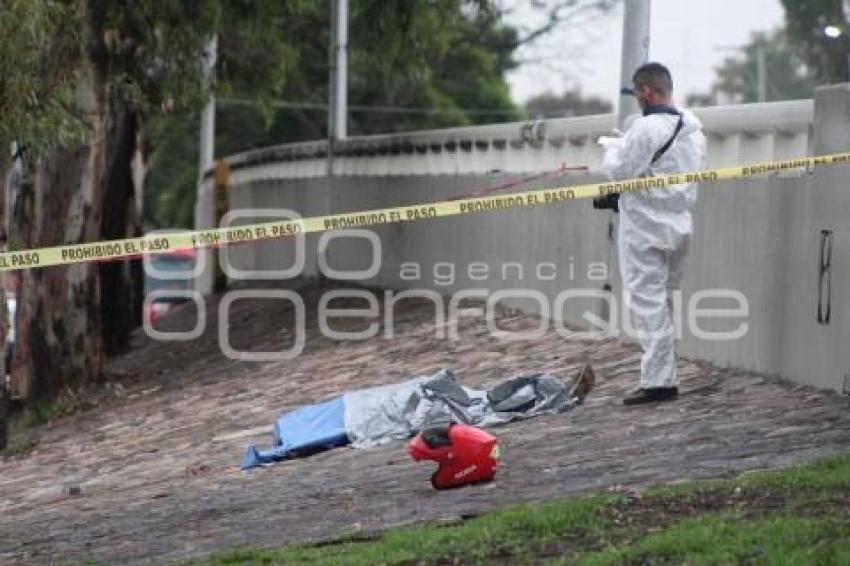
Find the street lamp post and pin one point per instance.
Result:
(846, 5)
(834, 32)
(204, 205)
(635, 51)
(761, 73)
(338, 91)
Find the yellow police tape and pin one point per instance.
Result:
(152, 244)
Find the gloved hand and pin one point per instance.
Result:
(611, 146)
(613, 133)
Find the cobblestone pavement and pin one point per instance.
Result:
(156, 467)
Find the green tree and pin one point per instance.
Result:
(36, 91)
(570, 103)
(446, 55)
(81, 82)
(90, 85)
(787, 77)
(442, 57)
(825, 57)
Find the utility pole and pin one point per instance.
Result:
(205, 204)
(761, 73)
(635, 51)
(761, 66)
(208, 115)
(338, 92)
(845, 7)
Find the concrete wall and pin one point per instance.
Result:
(808, 351)
(760, 237)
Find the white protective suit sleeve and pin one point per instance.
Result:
(631, 158)
(654, 232)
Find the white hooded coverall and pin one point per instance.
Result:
(655, 227)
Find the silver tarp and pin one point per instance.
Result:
(392, 412)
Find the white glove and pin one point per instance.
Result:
(608, 141)
(611, 148)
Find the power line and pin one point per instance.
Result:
(369, 109)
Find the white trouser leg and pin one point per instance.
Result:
(645, 280)
(675, 271)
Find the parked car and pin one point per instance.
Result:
(168, 272)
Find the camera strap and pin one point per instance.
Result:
(665, 110)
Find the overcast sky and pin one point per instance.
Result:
(690, 36)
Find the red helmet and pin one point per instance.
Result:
(465, 455)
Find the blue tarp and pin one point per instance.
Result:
(302, 431)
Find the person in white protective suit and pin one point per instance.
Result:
(655, 224)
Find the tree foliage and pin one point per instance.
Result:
(570, 103)
(151, 52)
(82, 82)
(798, 57)
(36, 90)
(439, 57)
(825, 57)
(787, 77)
(444, 59)
(79, 83)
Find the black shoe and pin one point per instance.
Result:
(651, 395)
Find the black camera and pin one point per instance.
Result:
(607, 202)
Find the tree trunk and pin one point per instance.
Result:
(59, 321)
(121, 282)
(71, 317)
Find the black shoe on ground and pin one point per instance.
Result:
(651, 395)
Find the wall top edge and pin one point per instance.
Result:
(787, 117)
